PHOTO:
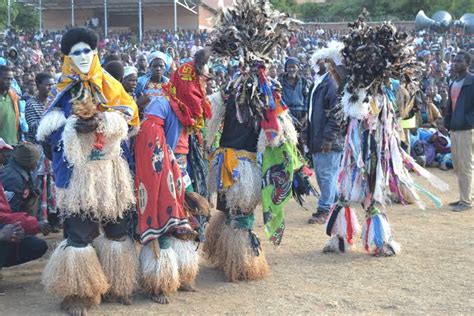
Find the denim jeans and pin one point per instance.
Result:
(326, 166)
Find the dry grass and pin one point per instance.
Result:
(75, 271)
(159, 269)
(213, 235)
(120, 264)
(188, 259)
(237, 258)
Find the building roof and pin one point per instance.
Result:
(112, 5)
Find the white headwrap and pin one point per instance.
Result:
(129, 70)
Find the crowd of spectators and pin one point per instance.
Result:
(35, 65)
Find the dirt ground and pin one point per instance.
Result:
(434, 274)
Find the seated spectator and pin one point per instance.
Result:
(432, 148)
(17, 179)
(17, 229)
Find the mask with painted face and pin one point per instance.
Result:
(81, 55)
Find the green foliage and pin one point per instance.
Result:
(23, 17)
(348, 10)
(288, 6)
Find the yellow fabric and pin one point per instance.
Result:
(409, 123)
(99, 82)
(231, 161)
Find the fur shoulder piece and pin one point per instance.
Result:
(52, 121)
(218, 112)
(115, 124)
(333, 51)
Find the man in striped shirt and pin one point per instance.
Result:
(36, 105)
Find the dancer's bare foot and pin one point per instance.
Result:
(76, 306)
(160, 298)
(110, 298)
(186, 287)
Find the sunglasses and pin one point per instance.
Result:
(79, 52)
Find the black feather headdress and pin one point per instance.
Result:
(249, 31)
(374, 55)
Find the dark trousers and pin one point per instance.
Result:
(80, 232)
(28, 249)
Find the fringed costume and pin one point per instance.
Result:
(93, 183)
(257, 157)
(375, 169)
(169, 217)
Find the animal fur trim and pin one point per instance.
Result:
(333, 51)
(245, 194)
(99, 187)
(214, 123)
(133, 131)
(52, 121)
(120, 263)
(286, 134)
(213, 235)
(354, 105)
(334, 245)
(73, 271)
(115, 125)
(188, 259)
(239, 260)
(159, 269)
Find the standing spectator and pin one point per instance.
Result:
(149, 86)
(129, 81)
(460, 121)
(295, 90)
(9, 110)
(324, 139)
(36, 105)
(141, 65)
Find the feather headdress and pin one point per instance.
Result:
(249, 31)
(374, 55)
(333, 51)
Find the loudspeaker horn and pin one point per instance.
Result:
(443, 21)
(422, 22)
(466, 22)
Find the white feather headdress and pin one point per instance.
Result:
(333, 51)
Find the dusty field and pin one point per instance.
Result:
(434, 274)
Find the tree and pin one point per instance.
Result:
(348, 10)
(22, 16)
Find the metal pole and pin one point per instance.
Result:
(105, 18)
(175, 17)
(72, 13)
(9, 21)
(140, 31)
(40, 17)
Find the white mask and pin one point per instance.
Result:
(82, 55)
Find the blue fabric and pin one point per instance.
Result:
(161, 108)
(326, 166)
(295, 97)
(378, 240)
(61, 167)
(143, 82)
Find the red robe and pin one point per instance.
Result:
(160, 189)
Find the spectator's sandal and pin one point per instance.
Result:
(318, 218)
